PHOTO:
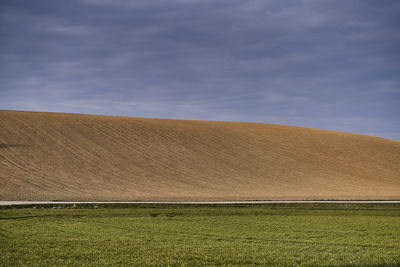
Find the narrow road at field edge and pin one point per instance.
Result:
(8, 203)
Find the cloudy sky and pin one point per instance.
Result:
(321, 64)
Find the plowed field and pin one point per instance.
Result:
(52, 156)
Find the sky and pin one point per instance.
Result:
(321, 64)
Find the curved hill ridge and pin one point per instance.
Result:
(52, 156)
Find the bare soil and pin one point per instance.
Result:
(52, 156)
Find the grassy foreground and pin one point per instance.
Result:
(324, 234)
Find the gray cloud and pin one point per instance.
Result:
(320, 64)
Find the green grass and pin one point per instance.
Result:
(302, 234)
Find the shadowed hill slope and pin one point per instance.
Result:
(51, 156)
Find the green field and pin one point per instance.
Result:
(295, 234)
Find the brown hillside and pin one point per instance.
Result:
(50, 156)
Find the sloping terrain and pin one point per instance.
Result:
(51, 156)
